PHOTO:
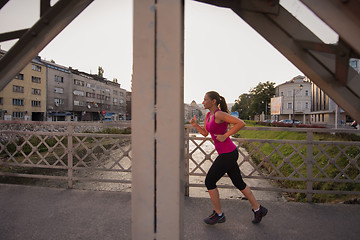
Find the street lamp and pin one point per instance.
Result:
(294, 91)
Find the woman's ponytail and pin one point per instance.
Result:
(223, 105)
(220, 101)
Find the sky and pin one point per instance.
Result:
(222, 52)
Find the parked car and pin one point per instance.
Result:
(286, 121)
(290, 121)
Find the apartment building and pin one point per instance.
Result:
(59, 97)
(324, 110)
(194, 109)
(44, 90)
(24, 98)
(128, 105)
(96, 98)
(292, 100)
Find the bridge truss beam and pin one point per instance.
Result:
(326, 65)
(31, 41)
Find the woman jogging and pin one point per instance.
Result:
(216, 123)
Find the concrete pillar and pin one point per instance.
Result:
(158, 120)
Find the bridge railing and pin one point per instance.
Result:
(307, 166)
(66, 151)
(101, 153)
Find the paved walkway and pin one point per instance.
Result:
(46, 213)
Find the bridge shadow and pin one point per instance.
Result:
(48, 213)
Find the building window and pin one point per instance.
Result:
(36, 68)
(18, 89)
(289, 106)
(89, 85)
(99, 96)
(79, 82)
(107, 98)
(121, 94)
(306, 92)
(79, 103)
(115, 100)
(59, 79)
(20, 76)
(1, 101)
(307, 105)
(90, 94)
(35, 91)
(115, 92)
(36, 103)
(121, 100)
(58, 90)
(18, 102)
(78, 93)
(282, 94)
(35, 79)
(59, 101)
(323, 117)
(18, 115)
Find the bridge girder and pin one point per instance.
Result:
(326, 65)
(31, 41)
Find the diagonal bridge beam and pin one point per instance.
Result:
(52, 21)
(326, 65)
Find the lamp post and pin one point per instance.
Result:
(294, 92)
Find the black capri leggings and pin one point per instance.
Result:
(225, 163)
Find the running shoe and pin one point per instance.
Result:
(215, 218)
(259, 214)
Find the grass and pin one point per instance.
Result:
(293, 155)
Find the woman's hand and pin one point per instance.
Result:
(221, 138)
(193, 121)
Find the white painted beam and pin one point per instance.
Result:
(143, 122)
(170, 119)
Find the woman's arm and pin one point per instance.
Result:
(201, 130)
(225, 117)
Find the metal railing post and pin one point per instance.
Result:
(309, 166)
(70, 155)
(187, 157)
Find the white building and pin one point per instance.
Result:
(296, 92)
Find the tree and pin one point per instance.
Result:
(262, 95)
(242, 105)
(250, 104)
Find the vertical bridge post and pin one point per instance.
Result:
(158, 120)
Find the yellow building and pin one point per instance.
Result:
(24, 98)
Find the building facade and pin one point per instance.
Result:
(128, 105)
(294, 99)
(24, 98)
(194, 109)
(59, 97)
(45, 90)
(323, 109)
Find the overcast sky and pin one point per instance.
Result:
(222, 52)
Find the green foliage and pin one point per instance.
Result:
(262, 94)
(116, 131)
(256, 102)
(242, 106)
(286, 159)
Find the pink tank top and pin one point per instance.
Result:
(218, 129)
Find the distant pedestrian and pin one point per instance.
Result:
(216, 123)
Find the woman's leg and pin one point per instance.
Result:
(216, 171)
(215, 199)
(235, 176)
(250, 196)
